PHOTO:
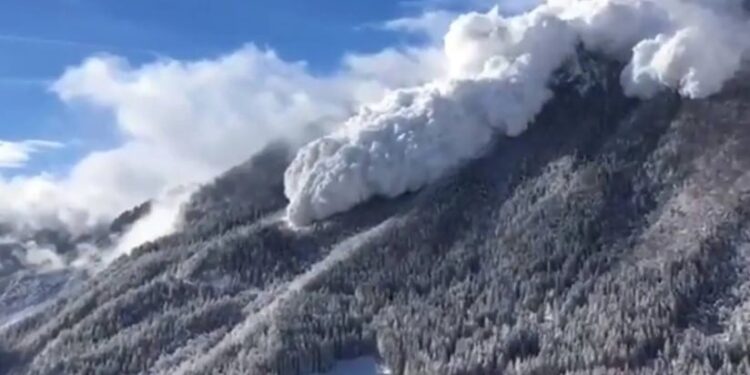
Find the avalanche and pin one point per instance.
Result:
(499, 70)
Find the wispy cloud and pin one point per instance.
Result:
(506, 6)
(17, 154)
(77, 44)
(26, 81)
(448, 4)
(433, 24)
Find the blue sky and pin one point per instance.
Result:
(39, 39)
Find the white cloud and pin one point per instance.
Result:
(17, 154)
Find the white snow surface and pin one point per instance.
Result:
(499, 68)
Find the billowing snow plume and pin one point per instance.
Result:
(499, 69)
(413, 136)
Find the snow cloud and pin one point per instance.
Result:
(498, 68)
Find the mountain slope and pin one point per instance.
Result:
(612, 236)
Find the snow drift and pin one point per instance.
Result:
(499, 70)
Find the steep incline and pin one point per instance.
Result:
(612, 236)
